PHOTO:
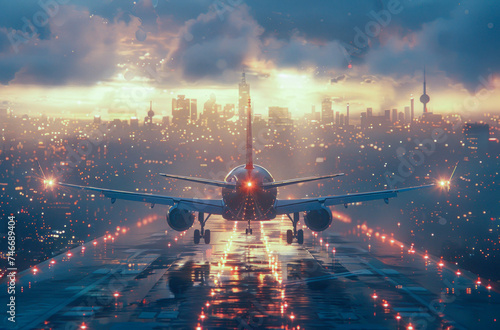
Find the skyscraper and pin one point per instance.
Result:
(194, 109)
(180, 110)
(394, 115)
(412, 104)
(369, 112)
(387, 115)
(407, 114)
(337, 118)
(347, 116)
(476, 137)
(149, 119)
(244, 96)
(326, 111)
(425, 98)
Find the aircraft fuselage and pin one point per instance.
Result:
(249, 201)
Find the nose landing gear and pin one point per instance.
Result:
(299, 234)
(248, 230)
(198, 234)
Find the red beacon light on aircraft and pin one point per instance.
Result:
(458, 272)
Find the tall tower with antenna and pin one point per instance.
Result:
(244, 97)
(425, 98)
(151, 113)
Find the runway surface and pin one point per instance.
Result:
(150, 278)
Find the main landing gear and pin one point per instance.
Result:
(299, 234)
(203, 233)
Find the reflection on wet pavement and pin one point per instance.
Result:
(147, 277)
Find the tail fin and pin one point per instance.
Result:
(249, 150)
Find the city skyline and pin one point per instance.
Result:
(88, 59)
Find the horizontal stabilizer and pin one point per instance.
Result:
(216, 183)
(299, 180)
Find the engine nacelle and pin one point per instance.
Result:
(318, 220)
(180, 219)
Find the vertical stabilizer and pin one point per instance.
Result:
(249, 149)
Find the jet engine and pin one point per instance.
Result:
(318, 220)
(180, 219)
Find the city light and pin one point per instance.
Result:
(117, 123)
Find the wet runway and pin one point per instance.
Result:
(144, 277)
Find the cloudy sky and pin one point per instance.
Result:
(84, 57)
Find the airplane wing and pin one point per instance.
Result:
(287, 206)
(212, 206)
(276, 184)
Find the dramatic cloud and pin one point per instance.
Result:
(382, 45)
(81, 50)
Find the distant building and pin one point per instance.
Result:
(134, 123)
(407, 115)
(425, 98)
(412, 106)
(165, 120)
(211, 110)
(149, 119)
(401, 117)
(279, 116)
(369, 112)
(244, 96)
(476, 137)
(341, 123)
(387, 115)
(394, 115)
(97, 119)
(347, 116)
(180, 110)
(229, 110)
(363, 119)
(337, 118)
(326, 111)
(194, 109)
(281, 125)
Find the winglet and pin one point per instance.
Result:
(249, 149)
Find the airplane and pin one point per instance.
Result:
(249, 193)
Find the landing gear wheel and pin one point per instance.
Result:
(246, 231)
(197, 236)
(300, 236)
(251, 232)
(289, 236)
(207, 236)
